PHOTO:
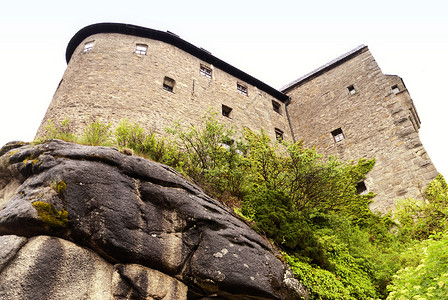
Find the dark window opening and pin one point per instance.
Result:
(361, 188)
(226, 111)
(337, 135)
(206, 71)
(278, 134)
(276, 106)
(395, 89)
(242, 89)
(168, 84)
(351, 90)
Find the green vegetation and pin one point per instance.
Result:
(59, 186)
(50, 215)
(308, 206)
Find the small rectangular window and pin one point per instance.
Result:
(278, 134)
(242, 89)
(168, 84)
(141, 49)
(226, 111)
(337, 135)
(276, 106)
(206, 71)
(88, 46)
(351, 90)
(395, 89)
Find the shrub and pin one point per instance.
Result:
(97, 133)
(61, 131)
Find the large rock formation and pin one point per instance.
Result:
(79, 222)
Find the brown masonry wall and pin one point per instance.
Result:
(113, 82)
(376, 122)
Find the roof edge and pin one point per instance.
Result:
(174, 40)
(328, 66)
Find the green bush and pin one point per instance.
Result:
(62, 131)
(429, 278)
(420, 219)
(97, 133)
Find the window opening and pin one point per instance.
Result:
(278, 134)
(226, 111)
(361, 188)
(395, 89)
(351, 90)
(276, 106)
(141, 49)
(337, 135)
(88, 46)
(206, 71)
(168, 84)
(242, 89)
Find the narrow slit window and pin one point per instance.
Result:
(276, 106)
(361, 188)
(88, 46)
(226, 111)
(141, 49)
(278, 134)
(242, 89)
(395, 89)
(337, 135)
(206, 71)
(168, 84)
(351, 90)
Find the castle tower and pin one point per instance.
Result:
(350, 109)
(118, 71)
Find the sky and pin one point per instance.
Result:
(274, 41)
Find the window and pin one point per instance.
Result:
(278, 134)
(395, 89)
(242, 89)
(88, 46)
(141, 49)
(276, 106)
(337, 135)
(351, 90)
(206, 71)
(361, 188)
(226, 111)
(168, 84)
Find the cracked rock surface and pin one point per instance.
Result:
(135, 230)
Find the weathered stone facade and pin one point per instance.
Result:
(347, 108)
(112, 81)
(376, 116)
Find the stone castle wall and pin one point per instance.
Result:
(113, 82)
(374, 112)
(376, 120)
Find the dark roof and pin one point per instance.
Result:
(319, 71)
(174, 40)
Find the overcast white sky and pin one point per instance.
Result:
(274, 41)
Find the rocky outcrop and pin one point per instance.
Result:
(80, 222)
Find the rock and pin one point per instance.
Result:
(158, 234)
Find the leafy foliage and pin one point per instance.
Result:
(429, 278)
(97, 133)
(421, 219)
(61, 131)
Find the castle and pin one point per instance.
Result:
(347, 107)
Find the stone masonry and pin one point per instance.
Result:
(376, 116)
(347, 107)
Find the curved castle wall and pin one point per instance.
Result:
(154, 82)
